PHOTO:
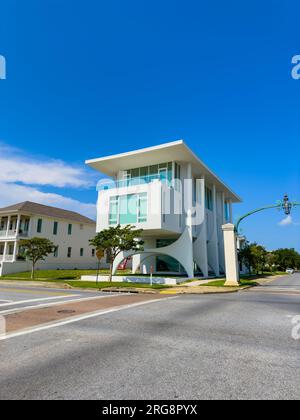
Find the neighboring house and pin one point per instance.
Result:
(241, 242)
(69, 231)
(176, 199)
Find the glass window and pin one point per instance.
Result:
(55, 228)
(143, 208)
(135, 173)
(70, 229)
(144, 171)
(226, 211)
(208, 198)
(113, 210)
(93, 252)
(81, 252)
(153, 170)
(69, 252)
(128, 209)
(39, 226)
(10, 249)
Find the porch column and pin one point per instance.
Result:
(18, 224)
(5, 251)
(8, 224)
(15, 251)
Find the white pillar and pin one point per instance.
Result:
(231, 255)
(200, 245)
(18, 224)
(15, 250)
(215, 235)
(223, 209)
(8, 224)
(5, 251)
(188, 200)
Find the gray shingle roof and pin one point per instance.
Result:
(42, 210)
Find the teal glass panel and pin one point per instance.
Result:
(128, 209)
(113, 211)
(143, 208)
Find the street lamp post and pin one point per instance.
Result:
(230, 239)
(286, 205)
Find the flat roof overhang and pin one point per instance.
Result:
(175, 151)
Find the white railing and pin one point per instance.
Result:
(6, 258)
(12, 233)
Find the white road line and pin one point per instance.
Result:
(79, 318)
(20, 302)
(46, 305)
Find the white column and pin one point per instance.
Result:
(8, 223)
(18, 224)
(5, 251)
(231, 255)
(215, 234)
(188, 200)
(15, 250)
(200, 245)
(223, 209)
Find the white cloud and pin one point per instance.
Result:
(20, 176)
(13, 193)
(17, 167)
(286, 221)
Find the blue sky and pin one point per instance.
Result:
(90, 78)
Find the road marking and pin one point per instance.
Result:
(34, 292)
(46, 305)
(20, 302)
(79, 318)
(5, 301)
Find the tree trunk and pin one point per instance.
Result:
(110, 272)
(32, 271)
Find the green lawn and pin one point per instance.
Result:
(261, 276)
(60, 274)
(72, 278)
(221, 283)
(246, 280)
(70, 274)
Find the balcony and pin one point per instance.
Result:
(6, 258)
(165, 177)
(13, 233)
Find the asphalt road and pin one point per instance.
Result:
(20, 296)
(235, 346)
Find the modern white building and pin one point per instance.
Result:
(69, 231)
(176, 199)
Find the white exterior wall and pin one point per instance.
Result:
(77, 240)
(171, 213)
